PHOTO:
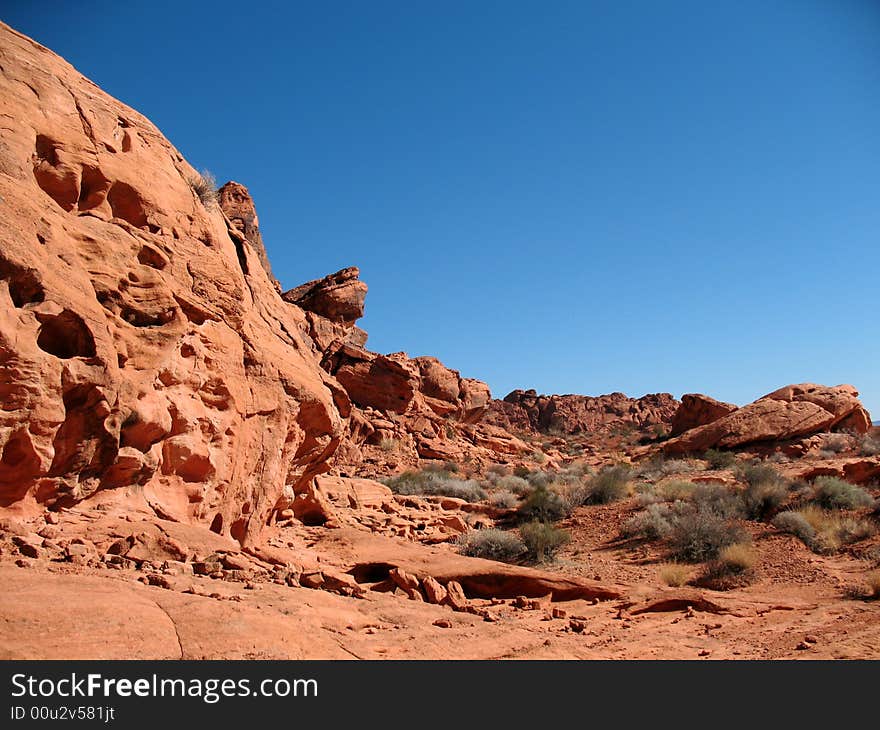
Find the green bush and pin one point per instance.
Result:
(720, 459)
(697, 534)
(609, 485)
(834, 493)
(760, 500)
(492, 544)
(542, 540)
(543, 505)
(758, 473)
(650, 523)
(795, 524)
(717, 499)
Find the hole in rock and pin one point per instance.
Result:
(46, 149)
(127, 204)
(65, 336)
(93, 188)
(24, 286)
(371, 572)
(149, 256)
(313, 518)
(217, 524)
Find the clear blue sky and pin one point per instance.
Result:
(572, 196)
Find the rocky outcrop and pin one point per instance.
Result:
(525, 410)
(406, 409)
(143, 346)
(238, 206)
(332, 305)
(790, 412)
(698, 410)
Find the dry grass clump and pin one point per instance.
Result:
(676, 489)
(873, 581)
(204, 185)
(824, 531)
(676, 574)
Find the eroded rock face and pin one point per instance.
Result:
(236, 203)
(525, 410)
(332, 306)
(143, 346)
(790, 412)
(698, 410)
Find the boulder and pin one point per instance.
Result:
(791, 412)
(698, 410)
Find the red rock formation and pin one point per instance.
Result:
(237, 204)
(332, 305)
(698, 410)
(525, 410)
(143, 346)
(787, 413)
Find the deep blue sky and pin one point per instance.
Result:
(572, 196)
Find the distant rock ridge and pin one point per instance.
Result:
(526, 410)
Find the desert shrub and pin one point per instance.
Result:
(869, 446)
(387, 444)
(675, 574)
(540, 478)
(543, 505)
(492, 544)
(504, 499)
(676, 489)
(697, 533)
(831, 531)
(850, 530)
(539, 457)
(651, 523)
(646, 494)
(720, 459)
(758, 473)
(659, 466)
(433, 482)
(542, 540)
(496, 470)
(763, 498)
(834, 493)
(716, 499)
(510, 483)
(521, 471)
(204, 186)
(795, 524)
(609, 485)
(836, 443)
